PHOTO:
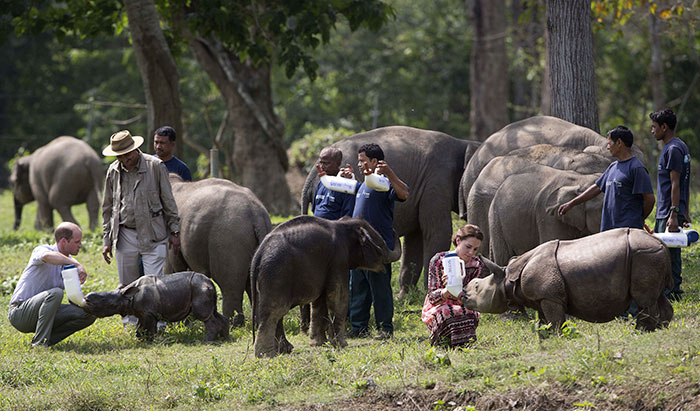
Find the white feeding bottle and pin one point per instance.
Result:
(338, 183)
(455, 270)
(683, 238)
(71, 282)
(377, 182)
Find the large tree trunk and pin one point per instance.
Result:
(570, 62)
(259, 158)
(656, 69)
(488, 82)
(158, 70)
(526, 92)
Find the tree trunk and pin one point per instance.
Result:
(526, 92)
(570, 62)
(258, 156)
(656, 70)
(158, 70)
(488, 82)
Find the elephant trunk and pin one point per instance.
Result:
(307, 191)
(395, 254)
(18, 214)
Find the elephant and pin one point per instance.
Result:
(594, 278)
(500, 168)
(431, 164)
(523, 212)
(172, 298)
(306, 260)
(64, 172)
(528, 132)
(221, 225)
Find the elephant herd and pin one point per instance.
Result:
(510, 185)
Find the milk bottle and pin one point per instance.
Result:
(71, 282)
(455, 270)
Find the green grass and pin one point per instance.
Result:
(104, 367)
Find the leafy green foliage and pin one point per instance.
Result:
(304, 152)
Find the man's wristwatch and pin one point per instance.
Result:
(677, 209)
(175, 234)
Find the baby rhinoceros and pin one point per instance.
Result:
(594, 278)
(171, 297)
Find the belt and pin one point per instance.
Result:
(126, 226)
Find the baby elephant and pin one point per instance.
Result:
(171, 297)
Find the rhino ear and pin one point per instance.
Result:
(129, 291)
(516, 265)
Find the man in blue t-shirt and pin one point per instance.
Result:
(164, 145)
(629, 197)
(672, 188)
(367, 287)
(327, 203)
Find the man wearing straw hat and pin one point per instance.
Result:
(138, 210)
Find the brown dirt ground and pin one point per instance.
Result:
(668, 396)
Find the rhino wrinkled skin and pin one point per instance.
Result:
(171, 298)
(594, 278)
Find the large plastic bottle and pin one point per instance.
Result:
(71, 282)
(338, 183)
(377, 182)
(455, 270)
(683, 238)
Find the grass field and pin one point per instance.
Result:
(104, 367)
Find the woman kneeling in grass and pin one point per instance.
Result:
(451, 323)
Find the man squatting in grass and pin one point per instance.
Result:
(35, 306)
(672, 188)
(377, 208)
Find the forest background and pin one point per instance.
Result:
(412, 68)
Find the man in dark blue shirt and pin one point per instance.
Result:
(629, 197)
(327, 203)
(672, 188)
(164, 144)
(367, 287)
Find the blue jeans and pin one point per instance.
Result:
(676, 263)
(368, 287)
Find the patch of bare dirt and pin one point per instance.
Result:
(667, 396)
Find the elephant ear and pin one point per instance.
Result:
(576, 216)
(367, 241)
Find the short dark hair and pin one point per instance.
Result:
(622, 133)
(466, 231)
(372, 150)
(167, 131)
(666, 116)
(63, 232)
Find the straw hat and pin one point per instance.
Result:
(122, 142)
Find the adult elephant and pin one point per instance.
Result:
(523, 212)
(65, 172)
(500, 168)
(525, 133)
(431, 163)
(221, 226)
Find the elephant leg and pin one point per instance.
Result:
(283, 346)
(436, 228)
(66, 214)
(93, 209)
(338, 310)
(304, 317)
(411, 262)
(44, 216)
(265, 342)
(232, 293)
(319, 321)
(553, 313)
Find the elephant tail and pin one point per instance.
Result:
(254, 265)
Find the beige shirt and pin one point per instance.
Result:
(126, 202)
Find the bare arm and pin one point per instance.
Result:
(56, 258)
(672, 222)
(400, 188)
(648, 204)
(590, 192)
